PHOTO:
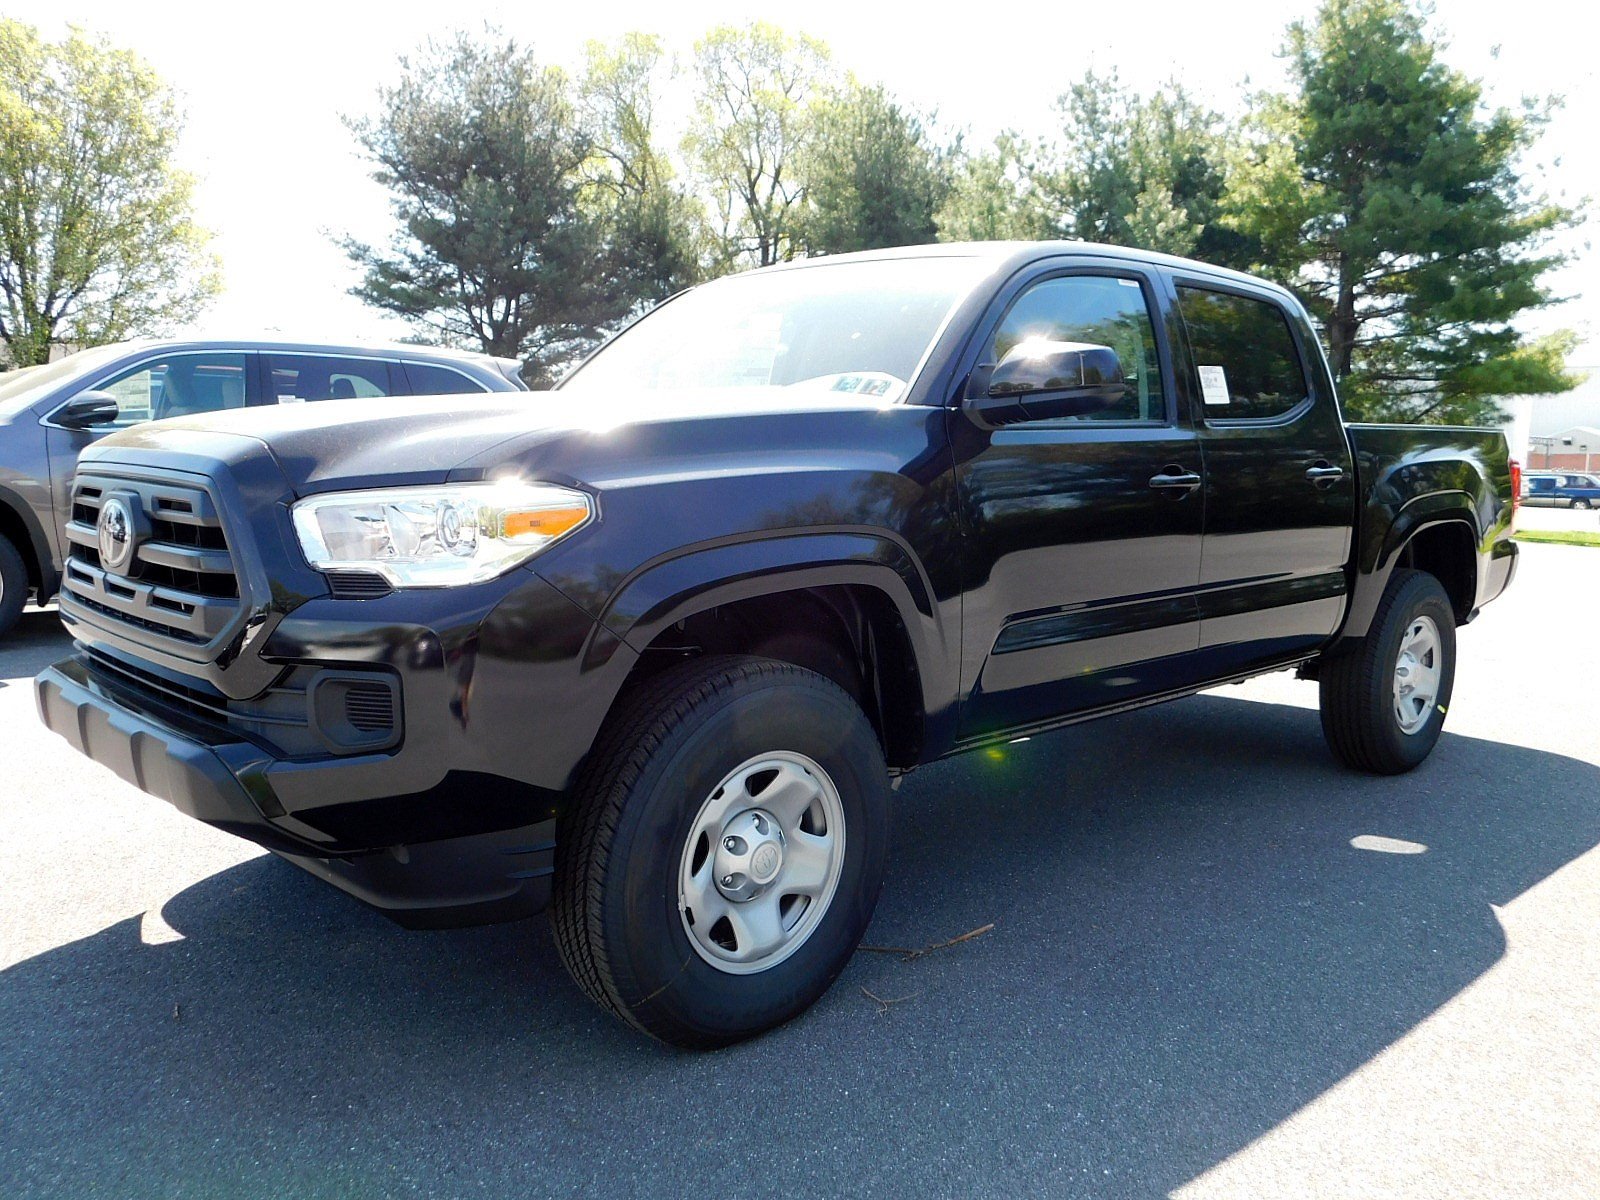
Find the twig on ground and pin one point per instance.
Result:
(907, 953)
(883, 1004)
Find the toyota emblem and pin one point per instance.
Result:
(115, 535)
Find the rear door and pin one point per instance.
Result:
(1280, 480)
(1082, 535)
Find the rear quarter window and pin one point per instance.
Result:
(428, 380)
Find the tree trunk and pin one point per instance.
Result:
(1342, 329)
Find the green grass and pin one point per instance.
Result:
(1563, 537)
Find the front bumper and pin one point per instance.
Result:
(473, 879)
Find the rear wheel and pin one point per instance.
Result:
(724, 852)
(1384, 697)
(13, 585)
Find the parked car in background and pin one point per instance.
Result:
(1561, 490)
(49, 413)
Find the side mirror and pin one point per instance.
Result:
(1039, 380)
(87, 409)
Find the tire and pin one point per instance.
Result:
(13, 585)
(1582, 504)
(632, 847)
(1362, 704)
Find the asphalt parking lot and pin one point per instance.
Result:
(1202, 979)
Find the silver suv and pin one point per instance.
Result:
(50, 413)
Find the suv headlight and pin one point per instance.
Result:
(441, 536)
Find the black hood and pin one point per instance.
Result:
(386, 442)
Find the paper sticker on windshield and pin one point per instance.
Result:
(286, 398)
(1214, 385)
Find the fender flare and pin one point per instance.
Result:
(1374, 568)
(672, 588)
(39, 547)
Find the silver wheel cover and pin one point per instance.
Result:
(761, 862)
(1418, 670)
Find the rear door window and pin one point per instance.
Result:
(299, 378)
(1244, 355)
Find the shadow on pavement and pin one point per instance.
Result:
(1186, 950)
(33, 643)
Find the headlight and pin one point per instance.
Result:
(438, 536)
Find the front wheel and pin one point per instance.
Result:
(723, 856)
(1384, 697)
(1583, 504)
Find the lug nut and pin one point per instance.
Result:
(729, 844)
(727, 881)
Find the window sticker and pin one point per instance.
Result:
(288, 398)
(1214, 385)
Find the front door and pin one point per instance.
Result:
(1082, 535)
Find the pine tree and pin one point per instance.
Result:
(1385, 191)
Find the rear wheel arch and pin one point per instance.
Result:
(1447, 550)
(1441, 540)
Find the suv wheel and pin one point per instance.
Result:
(13, 585)
(723, 855)
(1581, 503)
(1384, 698)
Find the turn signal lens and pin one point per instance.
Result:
(541, 523)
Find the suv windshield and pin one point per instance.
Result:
(860, 328)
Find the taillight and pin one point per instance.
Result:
(1516, 485)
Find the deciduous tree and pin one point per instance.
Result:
(754, 85)
(98, 237)
(657, 228)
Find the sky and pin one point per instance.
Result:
(264, 87)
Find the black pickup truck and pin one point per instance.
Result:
(652, 649)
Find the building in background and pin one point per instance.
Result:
(1559, 432)
(1575, 449)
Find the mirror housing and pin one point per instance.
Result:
(87, 409)
(1040, 380)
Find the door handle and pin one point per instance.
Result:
(1175, 479)
(1325, 473)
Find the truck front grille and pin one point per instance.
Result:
(179, 592)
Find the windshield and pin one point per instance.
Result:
(20, 388)
(859, 328)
